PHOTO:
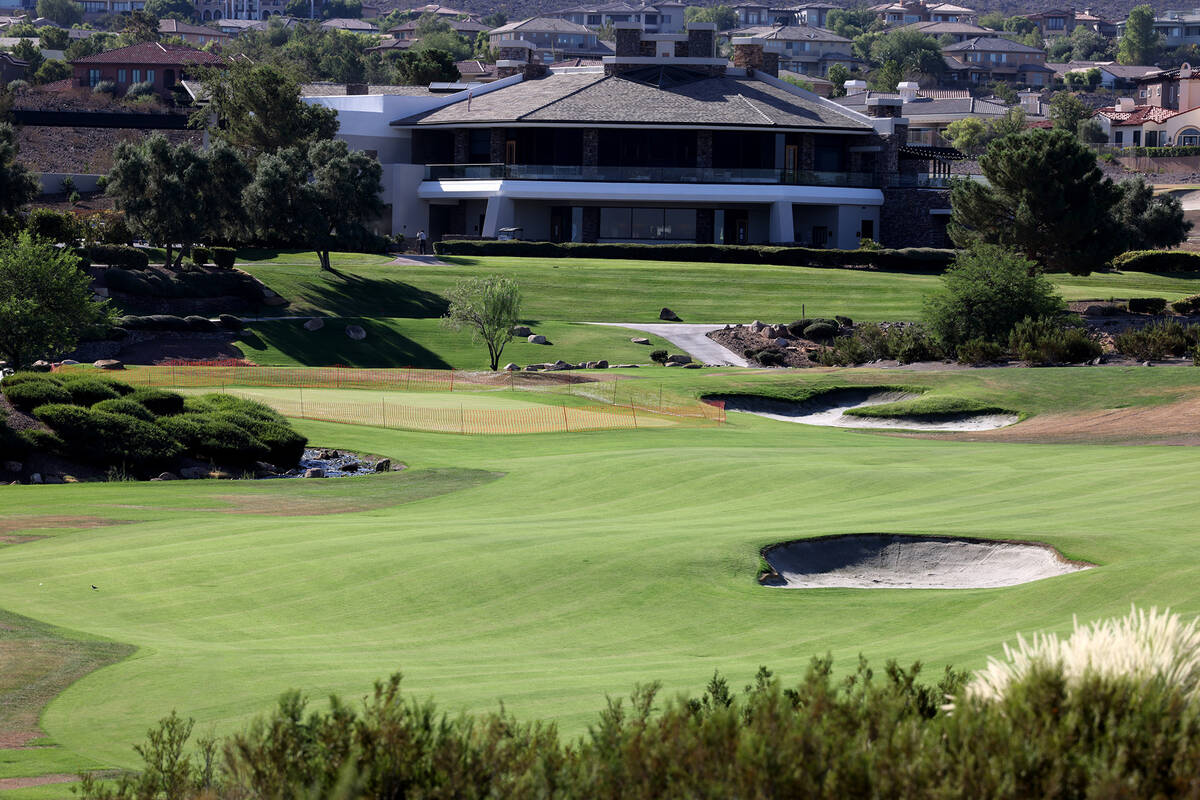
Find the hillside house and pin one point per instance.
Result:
(195, 35)
(11, 68)
(162, 65)
(1053, 22)
(1128, 124)
(552, 39)
(468, 29)
(906, 13)
(983, 60)
(805, 49)
(657, 18)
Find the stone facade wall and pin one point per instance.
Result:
(749, 56)
(808, 145)
(629, 42)
(770, 63)
(701, 44)
(905, 221)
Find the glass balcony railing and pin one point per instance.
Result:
(546, 172)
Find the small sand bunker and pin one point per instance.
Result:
(893, 561)
(830, 409)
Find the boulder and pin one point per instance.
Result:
(325, 455)
(265, 468)
(640, 340)
(69, 362)
(167, 476)
(314, 324)
(602, 364)
(13, 466)
(679, 358)
(356, 332)
(521, 330)
(536, 338)
(693, 366)
(756, 326)
(672, 364)
(1147, 364)
(55, 479)
(668, 315)
(108, 363)
(1099, 311)
(383, 465)
(351, 466)
(35, 477)
(41, 366)
(70, 479)
(314, 472)
(781, 342)
(511, 367)
(532, 367)
(627, 366)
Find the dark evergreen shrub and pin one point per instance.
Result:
(1147, 305)
(122, 405)
(201, 256)
(28, 395)
(231, 323)
(200, 324)
(86, 391)
(224, 257)
(160, 403)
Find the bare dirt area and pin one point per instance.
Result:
(1172, 424)
(180, 346)
(83, 151)
(40, 780)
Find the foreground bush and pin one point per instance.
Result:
(1157, 261)
(906, 345)
(1158, 340)
(1052, 341)
(1112, 711)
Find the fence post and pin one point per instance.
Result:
(566, 425)
(633, 410)
(462, 427)
(383, 406)
(302, 402)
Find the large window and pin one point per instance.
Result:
(662, 224)
(1188, 137)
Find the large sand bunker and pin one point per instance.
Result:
(830, 409)
(893, 561)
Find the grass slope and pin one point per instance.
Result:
(595, 562)
(609, 290)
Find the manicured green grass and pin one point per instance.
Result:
(400, 342)
(606, 290)
(571, 566)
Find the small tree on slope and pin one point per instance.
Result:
(488, 307)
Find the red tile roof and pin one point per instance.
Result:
(152, 53)
(1139, 114)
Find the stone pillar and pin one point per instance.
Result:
(591, 150)
(704, 149)
(748, 54)
(702, 40)
(782, 230)
(808, 145)
(591, 223)
(884, 107)
(770, 62)
(462, 146)
(629, 39)
(496, 150)
(705, 225)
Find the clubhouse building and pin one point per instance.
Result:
(663, 142)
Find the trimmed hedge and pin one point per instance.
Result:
(921, 259)
(1157, 261)
(215, 439)
(159, 402)
(196, 322)
(231, 323)
(122, 405)
(1188, 305)
(1147, 305)
(201, 256)
(224, 257)
(153, 283)
(110, 439)
(117, 255)
(28, 395)
(88, 392)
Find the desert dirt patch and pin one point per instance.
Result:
(12, 524)
(40, 780)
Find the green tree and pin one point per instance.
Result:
(17, 184)
(1139, 42)
(138, 26)
(96, 43)
(1148, 221)
(985, 293)
(886, 77)
(914, 51)
(723, 16)
(52, 70)
(28, 51)
(423, 67)
(993, 20)
(45, 301)
(488, 307)
(299, 9)
(54, 38)
(175, 193)
(1005, 91)
(1091, 132)
(1045, 197)
(1087, 45)
(1067, 111)
(968, 134)
(342, 9)
(258, 110)
(851, 22)
(495, 19)
(446, 41)
(1012, 122)
(321, 196)
(838, 75)
(64, 12)
(181, 10)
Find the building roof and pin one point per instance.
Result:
(391, 44)
(1051, 12)
(792, 33)
(339, 89)
(543, 25)
(152, 53)
(434, 8)
(459, 25)
(930, 106)
(991, 45)
(932, 8)
(13, 60)
(244, 24)
(681, 97)
(949, 29)
(577, 62)
(177, 27)
(474, 68)
(350, 24)
(1139, 114)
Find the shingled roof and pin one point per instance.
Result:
(992, 44)
(594, 98)
(151, 53)
(797, 33)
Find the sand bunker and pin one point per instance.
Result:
(893, 561)
(829, 409)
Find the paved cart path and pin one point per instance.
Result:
(690, 338)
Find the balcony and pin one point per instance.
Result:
(543, 172)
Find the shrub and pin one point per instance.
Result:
(198, 323)
(105, 87)
(86, 391)
(224, 257)
(284, 447)
(845, 351)
(1147, 305)
(201, 256)
(31, 394)
(12, 444)
(160, 402)
(230, 322)
(987, 292)
(845, 322)
(110, 439)
(60, 227)
(797, 328)
(821, 331)
(1188, 305)
(1157, 261)
(120, 280)
(118, 255)
(26, 377)
(1158, 340)
(766, 356)
(658, 356)
(125, 406)
(213, 439)
(1049, 341)
(911, 344)
(42, 441)
(979, 351)
(140, 89)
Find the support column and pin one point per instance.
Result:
(591, 223)
(496, 149)
(705, 226)
(591, 150)
(782, 230)
(704, 149)
(501, 213)
(462, 146)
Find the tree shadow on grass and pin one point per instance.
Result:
(347, 294)
(383, 346)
